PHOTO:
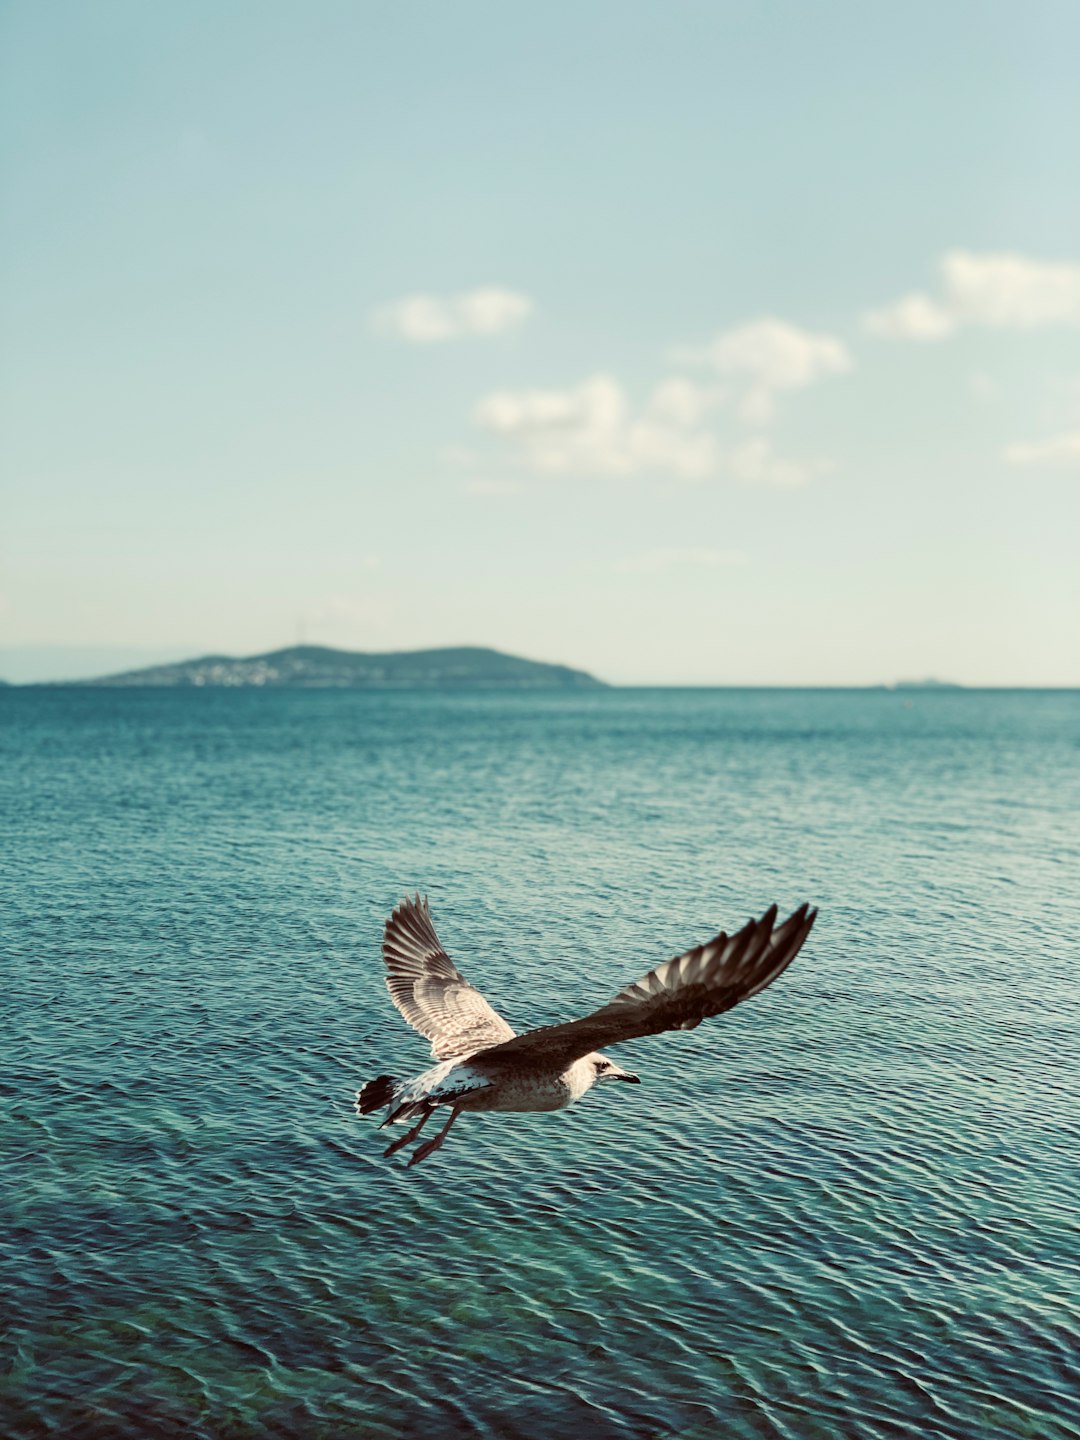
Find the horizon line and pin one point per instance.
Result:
(891, 686)
(108, 665)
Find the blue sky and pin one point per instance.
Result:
(688, 343)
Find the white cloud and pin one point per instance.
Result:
(998, 290)
(679, 557)
(915, 317)
(756, 463)
(595, 406)
(1059, 452)
(1009, 291)
(490, 311)
(682, 402)
(589, 430)
(427, 319)
(768, 356)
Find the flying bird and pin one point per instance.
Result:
(483, 1065)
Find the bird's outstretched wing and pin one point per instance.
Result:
(675, 996)
(431, 992)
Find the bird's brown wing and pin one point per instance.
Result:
(431, 992)
(675, 996)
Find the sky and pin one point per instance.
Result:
(687, 343)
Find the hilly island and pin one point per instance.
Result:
(319, 667)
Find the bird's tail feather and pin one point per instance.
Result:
(375, 1094)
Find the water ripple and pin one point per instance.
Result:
(847, 1209)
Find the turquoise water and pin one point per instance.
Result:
(847, 1209)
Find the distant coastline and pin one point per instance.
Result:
(310, 667)
(322, 667)
(928, 684)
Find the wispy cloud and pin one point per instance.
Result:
(428, 319)
(766, 357)
(682, 402)
(997, 290)
(915, 317)
(755, 462)
(589, 429)
(1057, 452)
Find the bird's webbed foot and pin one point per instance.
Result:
(430, 1146)
(409, 1135)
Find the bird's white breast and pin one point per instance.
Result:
(470, 1085)
(526, 1089)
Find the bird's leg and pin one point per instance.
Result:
(431, 1146)
(409, 1134)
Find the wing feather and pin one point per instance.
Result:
(676, 995)
(431, 992)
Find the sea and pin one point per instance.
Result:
(847, 1210)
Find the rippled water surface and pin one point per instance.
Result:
(847, 1209)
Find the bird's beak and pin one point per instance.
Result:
(626, 1075)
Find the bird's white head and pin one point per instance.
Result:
(607, 1069)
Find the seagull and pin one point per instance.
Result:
(483, 1065)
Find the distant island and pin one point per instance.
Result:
(311, 667)
(927, 685)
